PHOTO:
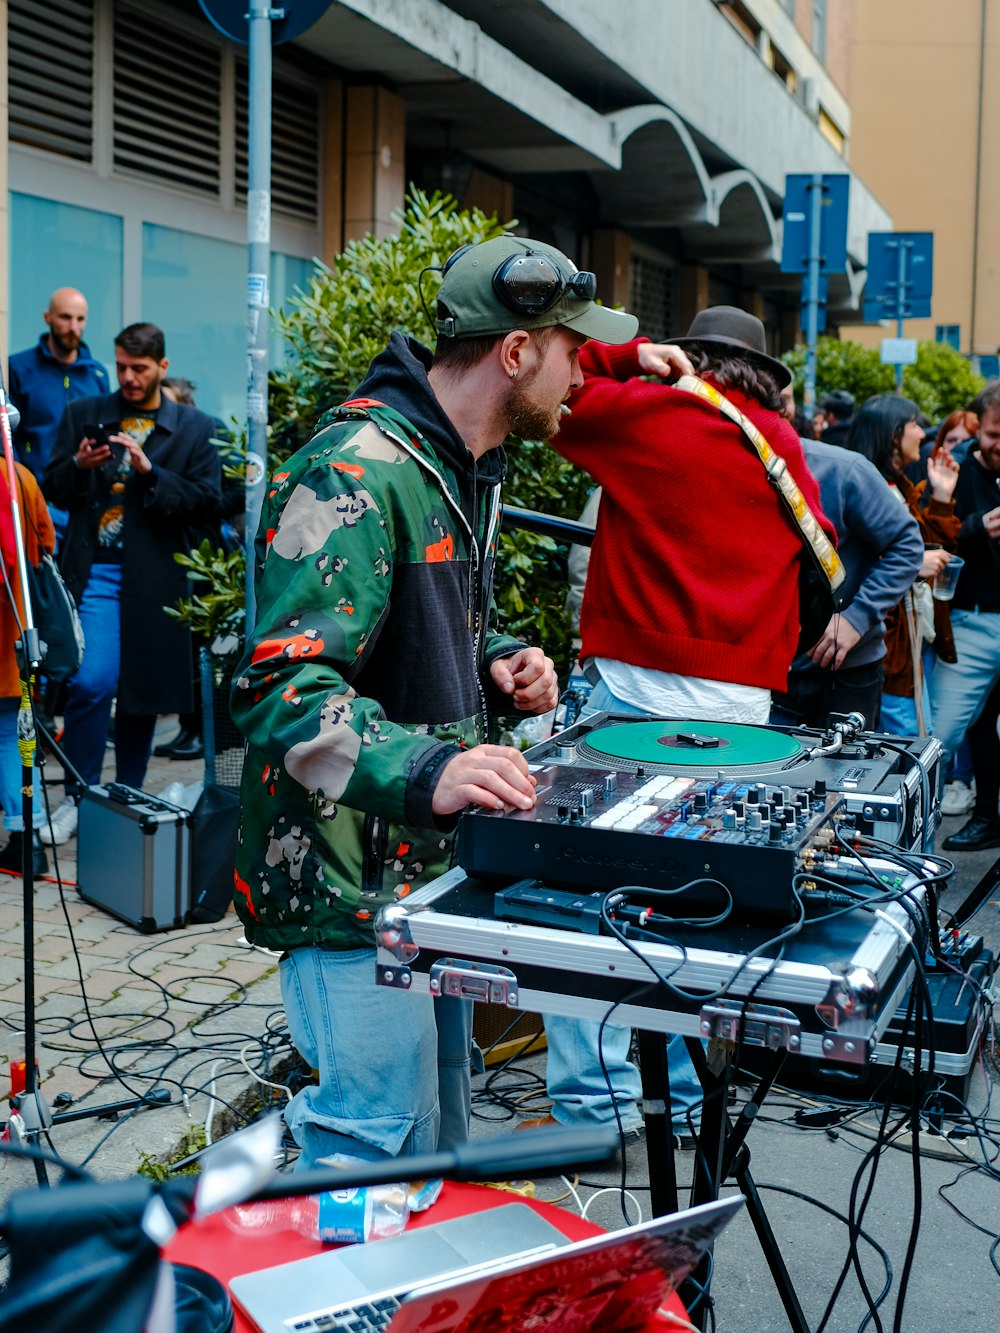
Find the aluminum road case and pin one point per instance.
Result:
(831, 994)
(133, 856)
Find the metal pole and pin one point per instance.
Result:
(259, 17)
(901, 304)
(812, 293)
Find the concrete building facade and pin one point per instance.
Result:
(926, 136)
(649, 140)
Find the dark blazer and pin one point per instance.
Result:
(181, 491)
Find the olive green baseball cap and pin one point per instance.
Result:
(513, 283)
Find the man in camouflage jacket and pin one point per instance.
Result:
(366, 689)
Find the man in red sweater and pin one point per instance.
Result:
(691, 602)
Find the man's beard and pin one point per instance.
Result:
(530, 420)
(66, 344)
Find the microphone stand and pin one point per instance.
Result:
(32, 1110)
(31, 1116)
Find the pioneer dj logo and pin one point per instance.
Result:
(659, 866)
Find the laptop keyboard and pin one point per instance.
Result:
(369, 1317)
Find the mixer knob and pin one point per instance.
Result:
(740, 807)
(640, 772)
(563, 812)
(803, 799)
(574, 815)
(701, 800)
(753, 795)
(820, 787)
(729, 819)
(776, 832)
(754, 822)
(787, 794)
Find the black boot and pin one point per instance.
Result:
(12, 856)
(981, 831)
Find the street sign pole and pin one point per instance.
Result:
(900, 303)
(812, 294)
(814, 243)
(260, 15)
(259, 26)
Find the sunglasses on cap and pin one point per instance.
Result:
(531, 283)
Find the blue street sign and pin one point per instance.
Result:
(795, 242)
(289, 21)
(887, 252)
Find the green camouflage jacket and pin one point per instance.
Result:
(369, 664)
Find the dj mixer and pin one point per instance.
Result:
(715, 808)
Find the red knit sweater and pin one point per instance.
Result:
(694, 568)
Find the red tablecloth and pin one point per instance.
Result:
(214, 1247)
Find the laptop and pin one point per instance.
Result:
(506, 1267)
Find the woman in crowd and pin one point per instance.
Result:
(886, 432)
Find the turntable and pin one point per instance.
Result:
(662, 802)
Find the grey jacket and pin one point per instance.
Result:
(878, 541)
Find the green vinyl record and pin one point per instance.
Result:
(690, 745)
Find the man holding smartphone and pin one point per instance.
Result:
(135, 470)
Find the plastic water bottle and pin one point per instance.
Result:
(336, 1216)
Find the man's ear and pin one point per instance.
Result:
(512, 351)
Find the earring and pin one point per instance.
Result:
(513, 374)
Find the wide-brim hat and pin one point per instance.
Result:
(470, 306)
(738, 330)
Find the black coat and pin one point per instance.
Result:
(183, 490)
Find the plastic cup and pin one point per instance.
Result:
(946, 581)
(18, 1063)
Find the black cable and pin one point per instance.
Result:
(833, 1212)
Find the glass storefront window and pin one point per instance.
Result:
(194, 287)
(56, 245)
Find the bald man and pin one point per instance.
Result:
(45, 378)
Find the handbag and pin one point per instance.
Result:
(821, 570)
(57, 619)
(54, 611)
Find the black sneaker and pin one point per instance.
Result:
(12, 856)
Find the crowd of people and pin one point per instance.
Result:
(116, 483)
(371, 682)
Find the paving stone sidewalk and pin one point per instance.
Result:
(199, 992)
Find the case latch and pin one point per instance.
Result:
(752, 1024)
(474, 981)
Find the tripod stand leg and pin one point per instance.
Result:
(656, 1114)
(769, 1244)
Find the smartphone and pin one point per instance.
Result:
(104, 430)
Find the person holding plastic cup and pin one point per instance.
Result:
(960, 690)
(885, 430)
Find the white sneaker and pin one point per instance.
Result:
(958, 799)
(63, 825)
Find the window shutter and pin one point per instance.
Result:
(295, 167)
(167, 100)
(51, 76)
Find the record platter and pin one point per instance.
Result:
(660, 802)
(695, 749)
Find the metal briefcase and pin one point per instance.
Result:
(133, 856)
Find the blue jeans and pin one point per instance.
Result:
(10, 778)
(394, 1069)
(574, 1079)
(959, 689)
(90, 693)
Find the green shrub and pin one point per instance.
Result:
(336, 326)
(940, 381)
